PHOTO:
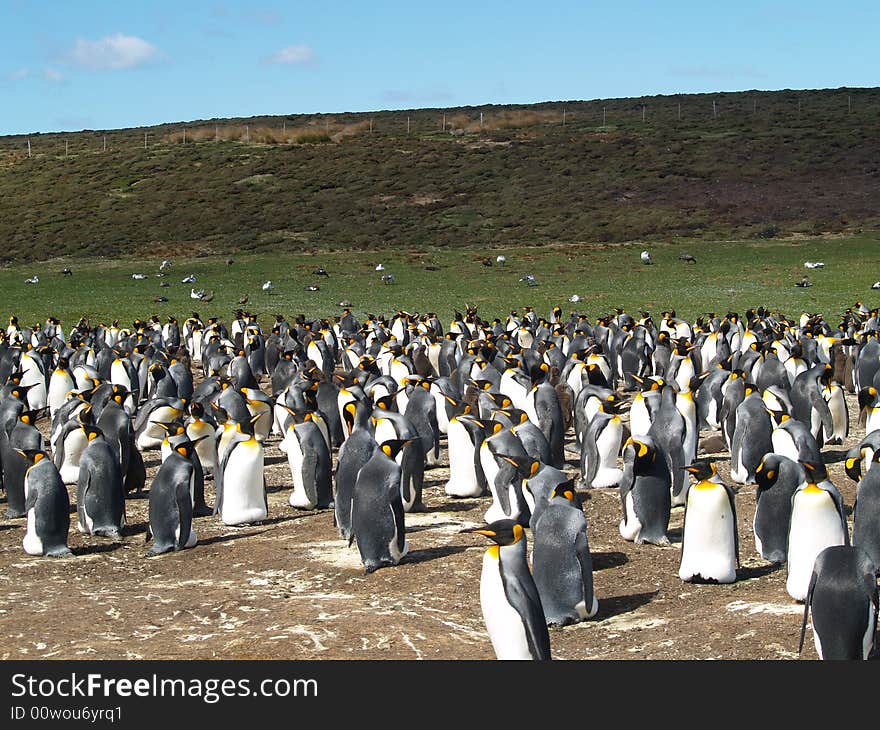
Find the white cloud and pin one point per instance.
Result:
(294, 55)
(50, 74)
(116, 51)
(19, 74)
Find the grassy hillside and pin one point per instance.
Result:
(751, 165)
(727, 275)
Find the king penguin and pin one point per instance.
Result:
(778, 478)
(866, 513)
(100, 493)
(645, 493)
(509, 598)
(310, 465)
(171, 502)
(709, 543)
(241, 490)
(818, 520)
(48, 507)
(377, 516)
(842, 596)
(464, 437)
(354, 453)
(561, 562)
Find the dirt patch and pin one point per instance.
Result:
(290, 588)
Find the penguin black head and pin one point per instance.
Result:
(767, 472)
(33, 456)
(702, 470)
(867, 396)
(501, 532)
(643, 452)
(247, 426)
(853, 468)
(566, 491)
(186, 448)
(91, 431)
(386, 403)
(816, 471)
(20, 392)
(196, 410)
(28, 417)
(172, 428)
(392, 447)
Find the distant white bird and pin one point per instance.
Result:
(191, 279)
(574, 298)
(387, 278)
(529, 280)
(646, 258)
(193, 294)
(814, 264)
(138, 276)
(380, 267)
(875, 285)
(33, 280)
(165, 264)
(501, 260)
(312, 287)
(267, 286)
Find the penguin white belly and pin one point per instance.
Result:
(206, 448)
(872, 422)
(314, 354)
(399, 371)
(712, 414)
(608, 446)
(708, 547)
(490, 469)
(385, 431)
(784, 444)
(529, 407)
(639, 418)
(119, 376)
(503, 623)
(462, 471)
(772, 402)
(684, 374)
(74, 445)
(689, 413)
(581, 608)
(738, 472)
(591, 408)
(264, 423)
(402, 399)
(631, 527)
(815, 525)
(380, 390)
(298, 497)
(60, 384)
(574, 378)
(434, 359)
(839, 414)
(32, 543)
(442, 416)
(87, 527)
(244, 499)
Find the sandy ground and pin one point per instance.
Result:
(290, 588)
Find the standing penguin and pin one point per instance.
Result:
(778, 478)
(561, 561)
(501, 457)
(100, 492)
(842, 597)
(645, 493)
(377, 520)
(241, 490)
(171, 502)
(599, 450)
(354, 453)
(464, 437)
(709, 543)
(509, 598)
(818, 520)
(752, 437)
(866, 513)
(310, 464)
(48, 507)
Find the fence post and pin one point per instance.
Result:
(29, 148)
(247, 133)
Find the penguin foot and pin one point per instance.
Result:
(12, 514)
(418, 507)
(203, 511)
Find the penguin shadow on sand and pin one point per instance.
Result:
(270, 460)
(750, 572)
(432, 526)
(424, 555)
(228, 537)
(834, 456)
(458, 506)
(604, 561)
(610, 606)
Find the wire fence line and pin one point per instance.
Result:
(737, 110)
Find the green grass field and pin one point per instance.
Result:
(728, 275)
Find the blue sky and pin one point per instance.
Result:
(101, 65)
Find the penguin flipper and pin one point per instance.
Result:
(525, 600)
(184, 513)
(31, 500)
(807, 610)
(585, 560)
(731, 497)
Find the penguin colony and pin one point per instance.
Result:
(387, 395)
